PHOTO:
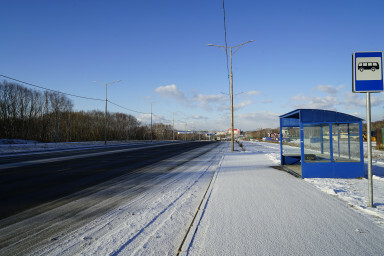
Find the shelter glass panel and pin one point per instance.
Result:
(346, 142)
(291, 140)
(317, 143)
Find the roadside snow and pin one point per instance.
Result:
(353, 191)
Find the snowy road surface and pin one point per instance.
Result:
(28, 180)
(120, 216)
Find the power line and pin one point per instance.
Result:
(44, 88)
(162, 118)
(127, 108)
(69, 94)
(226, 49)
(83, 97)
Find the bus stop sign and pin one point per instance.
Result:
(367, 72)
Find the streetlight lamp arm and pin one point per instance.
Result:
(237, 47)
(243, 43)
(113, 82)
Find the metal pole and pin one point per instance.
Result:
(151, 121)
(232, 121)
(106, 107)
(185, 130)
(173, 126)
(106, 113)
(369, 142)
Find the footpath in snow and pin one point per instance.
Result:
(253, 209)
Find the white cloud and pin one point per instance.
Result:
(252, 93)
(146, 119)
(206, 101)
(197, 117)
(335, 101)
(238, 106)
(266, 101)
(299, 97)
(171, 91)
(256, 120)
(242, 105)
(328, 102)
(330, 89)
(353, 100)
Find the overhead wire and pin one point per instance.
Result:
(226, 50)
(69, 94)
(162, 118)
(83, 97)
(47, 89)
(139, 112)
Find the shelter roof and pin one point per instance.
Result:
(319, 115)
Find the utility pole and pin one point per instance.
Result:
(106, 108)
(185, 130)
(232, 115)
(151, 121)
(173, 125)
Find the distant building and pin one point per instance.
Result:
(185, 132)
(235, 131)
(221, 134)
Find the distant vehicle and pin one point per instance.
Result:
(368, 65)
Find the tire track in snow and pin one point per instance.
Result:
(168, 207)
(198, 211)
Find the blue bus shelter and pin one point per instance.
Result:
(318, 143)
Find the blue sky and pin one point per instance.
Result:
(301, 56)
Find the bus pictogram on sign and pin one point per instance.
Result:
(368, 65)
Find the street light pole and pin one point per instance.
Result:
(173, 126)
(106, 114)
(106, 108)
(151, 121)
(185, 136)
(232, 115)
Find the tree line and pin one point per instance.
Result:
(49, 117)
(261, 133)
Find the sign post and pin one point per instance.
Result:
(367, 77)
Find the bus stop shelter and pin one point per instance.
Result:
(322, 144)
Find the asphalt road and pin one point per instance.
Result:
(30, 180)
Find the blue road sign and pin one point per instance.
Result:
(367, 72)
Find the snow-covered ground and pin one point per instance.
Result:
(353, 191)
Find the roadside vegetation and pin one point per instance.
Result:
(49, 117)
